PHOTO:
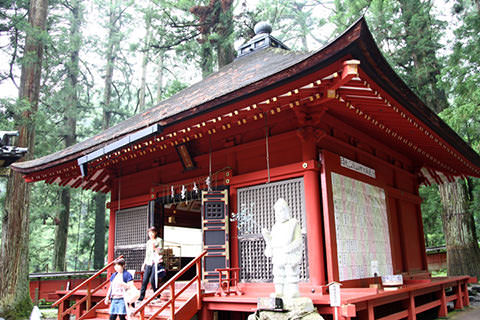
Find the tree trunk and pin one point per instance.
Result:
(225, 48)
(111, 56)
(146, 57)
(206, 56)
(463, 253)
(161, 61)
(15, 299)
(70, 135)
(61, 231)
(225, 53)
(99, 249)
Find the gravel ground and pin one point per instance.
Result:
(473, 311)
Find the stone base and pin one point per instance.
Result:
(296, 308)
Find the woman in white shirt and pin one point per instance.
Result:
(153, 256)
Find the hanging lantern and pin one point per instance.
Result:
(9, 154)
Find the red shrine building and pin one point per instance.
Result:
(335, 132)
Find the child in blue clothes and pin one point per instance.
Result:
(119, 282)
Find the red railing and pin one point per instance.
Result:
(174, 295)
(88, 298)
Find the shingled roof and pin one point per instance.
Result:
(209, 93)
(258, 72)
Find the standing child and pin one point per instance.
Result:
(119, 282)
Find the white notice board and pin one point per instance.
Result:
(362, 230)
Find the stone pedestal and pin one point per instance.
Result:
(296, 308)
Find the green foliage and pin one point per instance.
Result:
(432, 216)
(45, 204)
(173, 87)
(296, 23)
(439, 273)
(461, 79)
(19, 309)
(345, 12)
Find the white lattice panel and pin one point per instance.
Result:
(255, 209)
(131, 226)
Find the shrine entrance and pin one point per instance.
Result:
(181, 232)
(178, 223)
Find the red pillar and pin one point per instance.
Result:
(314, 228)
(234, 253)
(111, 235)
(111, 225)
(205, 314)
(313, 209)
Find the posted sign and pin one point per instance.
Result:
(334, 290)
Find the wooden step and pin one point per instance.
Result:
(152, 308)
(185, 307)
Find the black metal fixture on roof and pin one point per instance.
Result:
(117, 145)
(9, 154)
(261, 40)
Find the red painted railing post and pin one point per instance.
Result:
(60, 311)
(171, 284)
(172, 289)
(77, 307)
(89, 297)
(199, 284)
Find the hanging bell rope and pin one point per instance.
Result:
(266, 147)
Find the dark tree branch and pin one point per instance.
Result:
(176, 43)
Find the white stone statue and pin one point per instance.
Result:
(284, 245)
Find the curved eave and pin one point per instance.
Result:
(378, 69)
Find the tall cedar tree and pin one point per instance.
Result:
(113, 43)
(145, 59)
(14, 285)
(70, 128)
(463, 254)
(216, 29)
(421, 68)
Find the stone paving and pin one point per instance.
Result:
(473, 311)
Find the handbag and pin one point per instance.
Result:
(160, 272)
(131, 294)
